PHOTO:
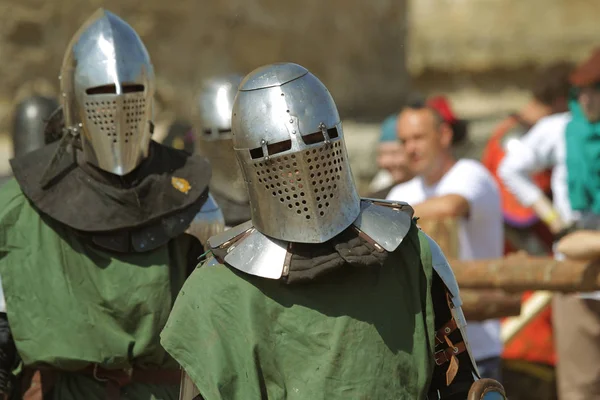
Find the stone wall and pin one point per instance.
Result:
(484, 53)
(356, 48)
(486, 35)
(361, 50)
(481, 53)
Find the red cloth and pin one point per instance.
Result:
(535, 343)
(513, 211)
(442, 106)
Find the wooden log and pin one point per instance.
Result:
(444, 231)
(519, 272)
(479, 305)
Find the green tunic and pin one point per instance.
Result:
(70, 304)
(367, 334)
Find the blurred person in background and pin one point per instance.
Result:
(391, 159)
(530, 357)
(568, 143)
(458, 126)
(523, 228)
(459, 189)
(28, 127)
(213, 111)
(29, 122)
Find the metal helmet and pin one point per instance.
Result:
(107, 84)
(215, 103)
(288, 139)
(29, 121)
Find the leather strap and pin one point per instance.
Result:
(444, 331)
(39, 382)
(123, 377)
(444, 356)
(449, 353)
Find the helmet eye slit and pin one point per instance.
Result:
(318, 137)
(105, 89)
(272, 148)
(112, 89)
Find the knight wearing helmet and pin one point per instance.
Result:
(94, 249)
(321, 294)
(213, 123)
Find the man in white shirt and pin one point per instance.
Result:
(465, 190)
(576, 318)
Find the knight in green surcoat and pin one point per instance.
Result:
(322, 295)
(98, 232)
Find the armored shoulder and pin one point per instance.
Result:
(383, 223)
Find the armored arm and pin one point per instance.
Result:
(455, 375)
(454, 370)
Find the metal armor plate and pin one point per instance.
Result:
(248, 250)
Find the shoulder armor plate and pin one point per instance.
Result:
(386, 222)
(246, 249)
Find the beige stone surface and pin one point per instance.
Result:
(5, 155)
(356, 48)
(480, 35)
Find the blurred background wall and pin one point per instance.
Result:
(481, 53)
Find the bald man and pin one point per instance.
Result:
(461, 189)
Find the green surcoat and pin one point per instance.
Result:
(368, 334)
(70, 304)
